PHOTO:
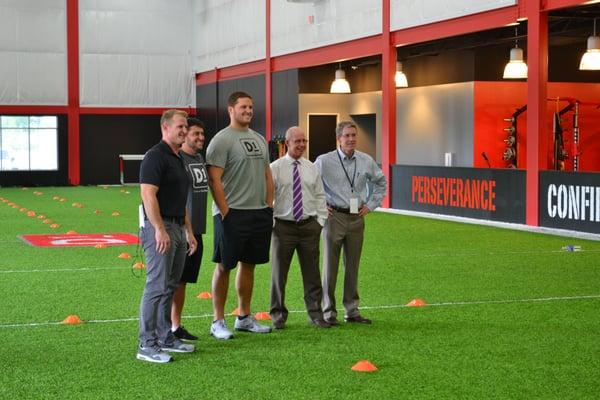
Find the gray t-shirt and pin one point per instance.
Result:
(197, 190)
(243, 156)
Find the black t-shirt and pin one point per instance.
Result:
(198, 190)
(163, 168)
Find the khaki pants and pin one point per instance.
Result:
(342, 231)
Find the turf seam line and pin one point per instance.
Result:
(372, 308)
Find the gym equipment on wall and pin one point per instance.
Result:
(510, 152)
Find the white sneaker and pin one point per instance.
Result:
(177, 347)
(249, 324)
(219, 330)
(152, 354)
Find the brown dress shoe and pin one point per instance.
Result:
(358, 320)
(332, 321)
(319, 323)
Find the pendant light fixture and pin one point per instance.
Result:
(516, 67)
(590, 61)
(340, 84)
(400, 77)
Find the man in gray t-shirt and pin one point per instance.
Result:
(242, 188)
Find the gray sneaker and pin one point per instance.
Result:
(249, 324)
(178, 347)
(152, 354)
(219, 330)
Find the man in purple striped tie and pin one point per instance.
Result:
(300, 212)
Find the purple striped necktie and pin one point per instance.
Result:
(297, 192)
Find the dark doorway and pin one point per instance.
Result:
(321, 134)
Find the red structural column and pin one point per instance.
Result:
(73, 90)
(537, 79)
(268, 92)
(388, 100)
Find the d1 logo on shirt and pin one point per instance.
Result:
(252, 148)
(199, 178)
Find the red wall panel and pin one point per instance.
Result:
(494, 101)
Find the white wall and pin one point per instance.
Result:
(33, 52)
(407, 13)
(136, 53)
(433, 120)
(227, 32)
(301, 26)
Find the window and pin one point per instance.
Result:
(28, 143)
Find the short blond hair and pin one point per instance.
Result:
(167, 116)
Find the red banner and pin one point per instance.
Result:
(92, 239)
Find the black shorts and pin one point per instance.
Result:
(244, 235)
(192, 263)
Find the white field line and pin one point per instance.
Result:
(373, 308)
(83, 269)
(504, 225)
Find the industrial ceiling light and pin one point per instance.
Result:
(590, 61)
(340, 84)
(516, 67)
(400, 78)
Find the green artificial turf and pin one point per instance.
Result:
(508, 316)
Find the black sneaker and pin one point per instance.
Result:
(183, 334)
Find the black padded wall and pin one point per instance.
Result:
(104, 137)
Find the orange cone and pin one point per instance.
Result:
(236, 312)
(41, 216)
(72, 320)
(364, 366)
(204, 295)
(97, 211)
(262, 316)
(15, 206)
(71, 233)
(139, 265)
(100, 246)
(23, 209)
(55, 198)
(31, 214)
(115, 214)
(54, 226)
(47, 221)
(416, 303)
(124, 255)
(62, 199)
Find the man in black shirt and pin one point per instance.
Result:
(163, 186)
(196, 210)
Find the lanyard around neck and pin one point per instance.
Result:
(351, 182)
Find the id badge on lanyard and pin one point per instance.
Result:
(353, 205)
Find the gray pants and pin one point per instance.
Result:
(303, 238)
(342, 231)
(163, 275)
